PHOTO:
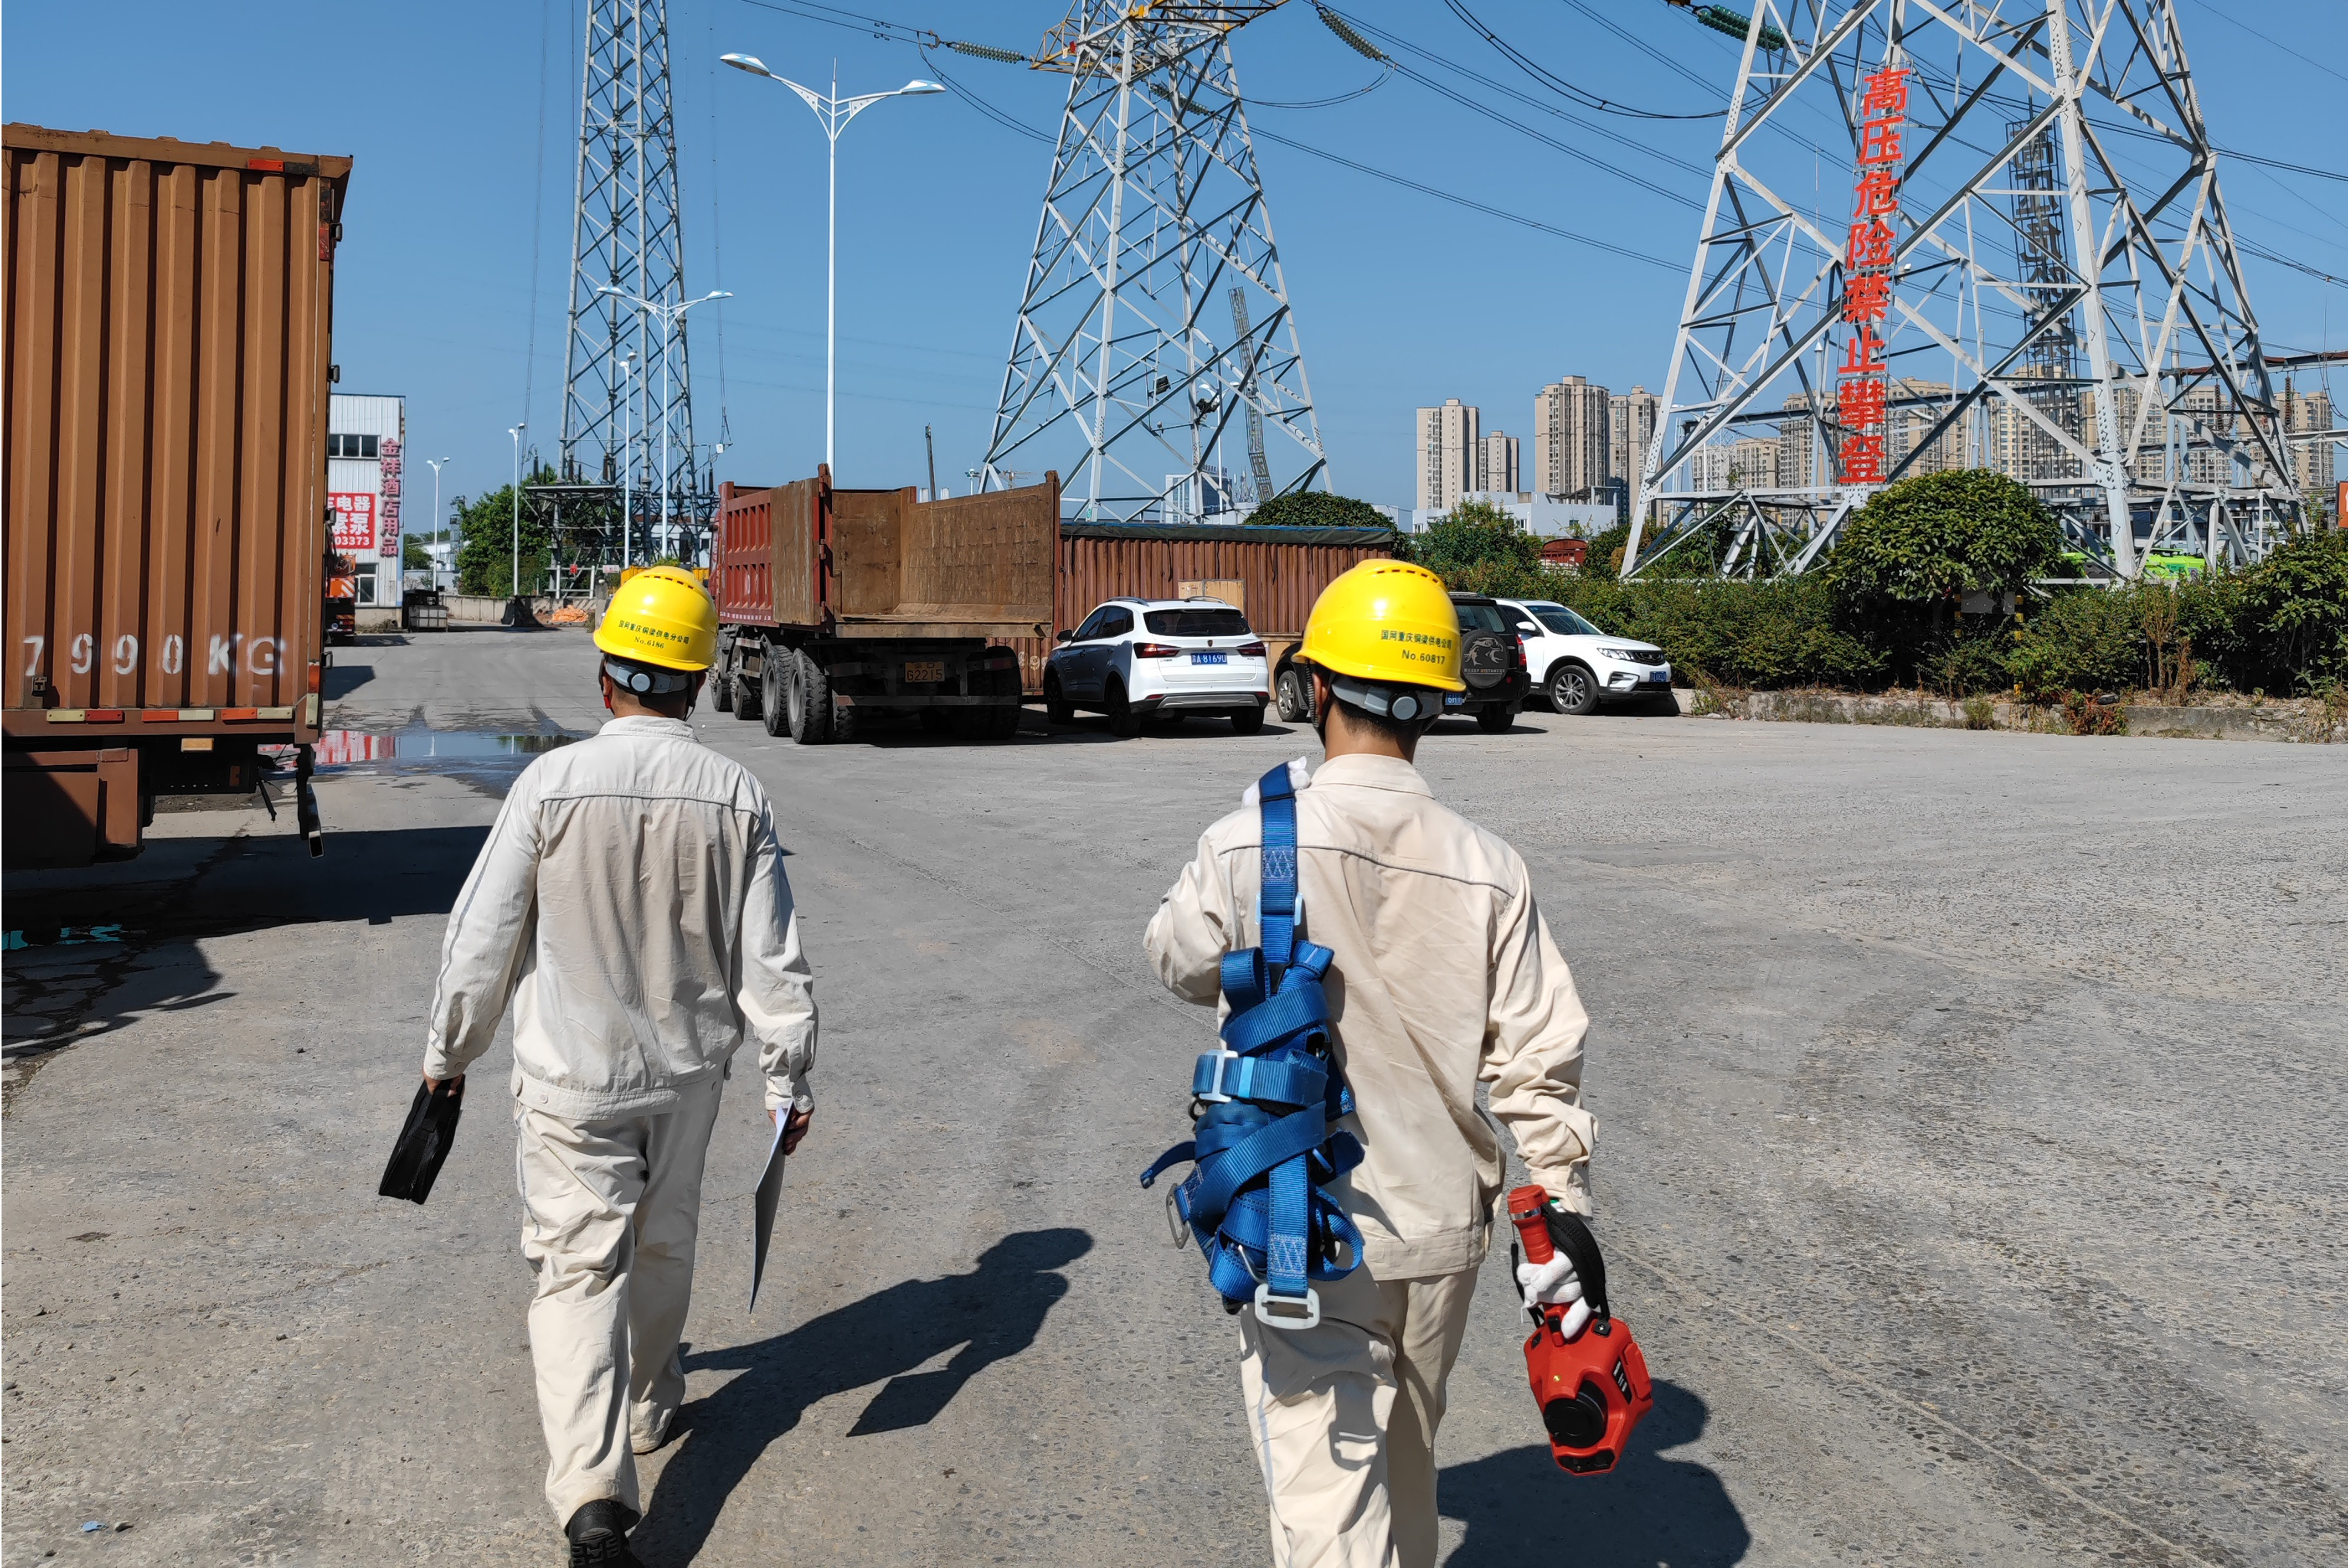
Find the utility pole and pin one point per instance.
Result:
(930, 442)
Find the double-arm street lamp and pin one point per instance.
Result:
(668, 315)
(834, 112)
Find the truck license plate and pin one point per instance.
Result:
(1211, 658)
(919, 670)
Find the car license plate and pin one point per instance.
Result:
(1660, 677)
(919, 670)
(1455, 700)
(1211, 658)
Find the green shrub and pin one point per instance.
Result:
(1317, 509)
(1774, 633)
(1936, 537)
(1479, 549)
(2291, 626)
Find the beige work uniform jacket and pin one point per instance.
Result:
(1445, 976)
(630, 902)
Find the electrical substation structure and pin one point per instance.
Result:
(627, 454)
(1156, 317)
(2033, 271)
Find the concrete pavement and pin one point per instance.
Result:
(1967, 1167)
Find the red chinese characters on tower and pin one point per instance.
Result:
(1868, 257)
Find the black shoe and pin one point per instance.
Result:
(599, 1536)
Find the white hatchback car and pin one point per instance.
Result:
(1575, 665)
(1138, 660)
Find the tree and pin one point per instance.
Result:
(1935, 538)
(1317, 509)
(1477, 547)
(411, 553)
(485, 529)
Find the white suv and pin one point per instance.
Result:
(1139, 660)
(1575, 665)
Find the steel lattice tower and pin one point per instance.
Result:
(628, 235)
(1155, 318)
(2066, 302)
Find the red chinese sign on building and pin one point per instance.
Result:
(354, 521)
(1862, 379)
(389, 515)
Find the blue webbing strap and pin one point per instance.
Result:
(1264, 1141)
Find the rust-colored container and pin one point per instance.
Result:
(169, 316)
(880, 563)
(1273, 574)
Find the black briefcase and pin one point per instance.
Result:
(423, 1141)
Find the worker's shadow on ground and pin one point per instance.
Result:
(1518, 1506)
(992, 1314)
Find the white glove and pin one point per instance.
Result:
(1298, 775)
(1554, 1284)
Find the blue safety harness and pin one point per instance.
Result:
(1264, 1143)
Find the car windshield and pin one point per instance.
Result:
(1563, 622)
(1202, 623)
(1479, 616)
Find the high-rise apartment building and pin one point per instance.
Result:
(2315, 463)
(1630, 431)
(1451, 454)
(1569, 444)
(1498, 469)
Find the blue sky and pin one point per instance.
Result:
(463, 120)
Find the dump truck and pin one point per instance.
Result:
(838, 607)
(168, 355)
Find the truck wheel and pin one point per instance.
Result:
(1124, 723)
(1246, 720)
(721, 688)
(749, 698)
(1497, 718)
(1295, 696)
(776, 691)
(809, 701)
(1057, 706)
(934, 720)
(1573, 690)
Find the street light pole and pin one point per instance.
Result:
(669, 316)
(833, 113)
(628, 461)
(515, 434)
(438, 522)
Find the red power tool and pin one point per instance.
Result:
(1593, 1387)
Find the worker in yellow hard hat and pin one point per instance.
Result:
(632, 908)
(1449, 982)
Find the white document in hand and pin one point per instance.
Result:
(765, 1202)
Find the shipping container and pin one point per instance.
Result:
(836, 605)
(169, 324)
(1270, 574)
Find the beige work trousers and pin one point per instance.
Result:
(1344, 1416)
(614, 1209)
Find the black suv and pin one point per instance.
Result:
(1492, 662)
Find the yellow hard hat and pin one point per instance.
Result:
(662, 616)
(1386, 621)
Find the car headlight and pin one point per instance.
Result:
(1625, 655)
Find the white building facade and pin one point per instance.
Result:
(366, 435)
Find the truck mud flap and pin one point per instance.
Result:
(305, 801)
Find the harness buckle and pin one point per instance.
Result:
(1213, 1093)
(1177, 1228)
(1287, 1312)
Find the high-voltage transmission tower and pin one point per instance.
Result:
(627, 398)
(2052, 290)
(1155, 319)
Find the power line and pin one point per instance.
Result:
(2287, 51)
(1009, 122)
(1550, 79)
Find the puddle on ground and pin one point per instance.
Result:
(344, 748)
